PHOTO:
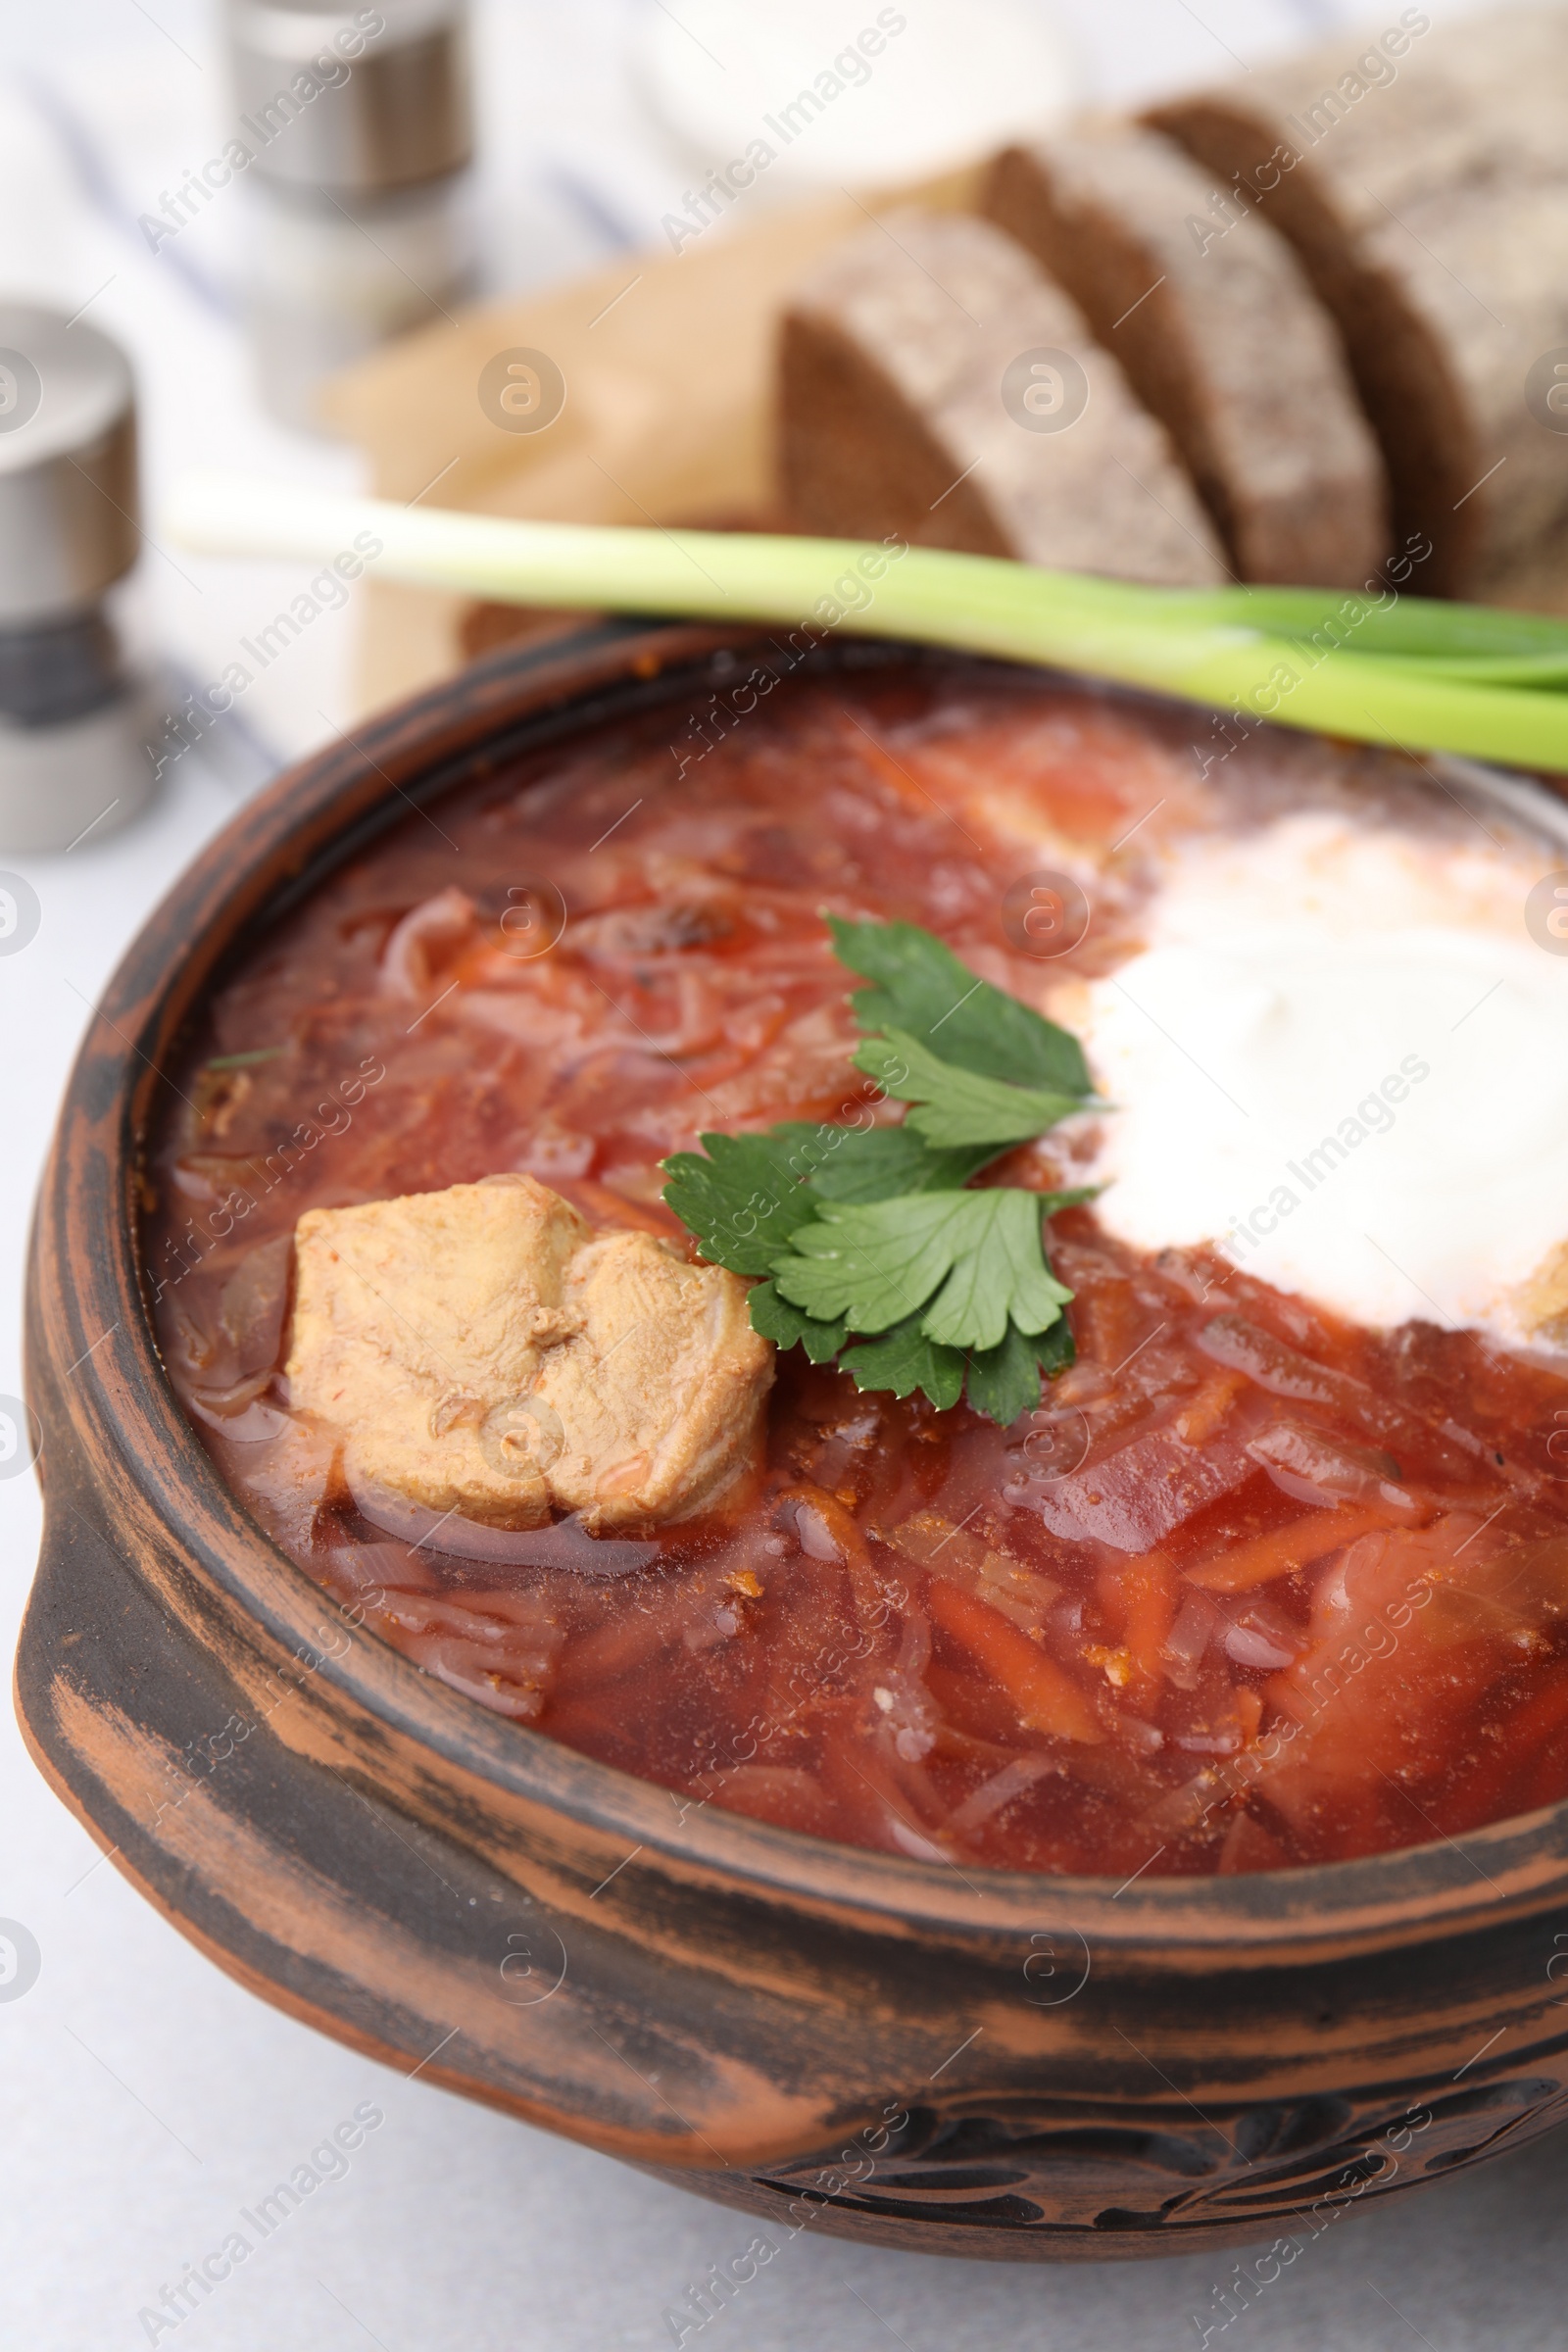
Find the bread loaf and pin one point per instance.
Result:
(935, 383)
(1228, 347)
(1422, 179)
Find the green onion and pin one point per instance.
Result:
(1394, 624)
(243, 1061)
(1410, 672)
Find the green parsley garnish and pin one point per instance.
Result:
(868, 1246)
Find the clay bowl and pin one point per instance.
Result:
(1001, 2064)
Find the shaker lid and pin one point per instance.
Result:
(358, 101)
(68, 464)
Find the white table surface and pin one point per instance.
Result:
(145, 2096)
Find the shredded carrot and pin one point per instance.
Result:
(1021, 1594)
(906, 787)
(935, 1542)
(1148, 1604)
(1047, 1699)
(1202, 1414)
(834, 1524)
(1285, 1547)
(597, 1199)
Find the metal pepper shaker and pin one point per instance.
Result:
(357, 124)
(73, 714)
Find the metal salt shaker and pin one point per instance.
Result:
(358, 121)
(73, 715)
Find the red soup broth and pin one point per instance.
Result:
(1108, 1639)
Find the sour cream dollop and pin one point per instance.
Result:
(1342, 1058)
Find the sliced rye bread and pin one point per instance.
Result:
(893, 419)
(1230, 349)
(1426, 194)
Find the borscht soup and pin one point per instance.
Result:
(980, 1270)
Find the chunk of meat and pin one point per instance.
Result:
(659, 1394)
(487, 1355)
(420, 1323)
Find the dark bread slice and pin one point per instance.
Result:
(893, 419)
(1229, 347)
(1431, 213)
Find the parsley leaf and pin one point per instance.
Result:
(876, 1262)
(1000, 1274)
(744, 1200)
(922, 988)
(957, 1107)
(1004, 1380)
(903, 1359)
(865, 1243)
(877, 1163)
(873, 1262)
(788, 1327)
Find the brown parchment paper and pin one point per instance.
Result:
(668, 360)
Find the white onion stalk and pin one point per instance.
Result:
(1446, 680)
